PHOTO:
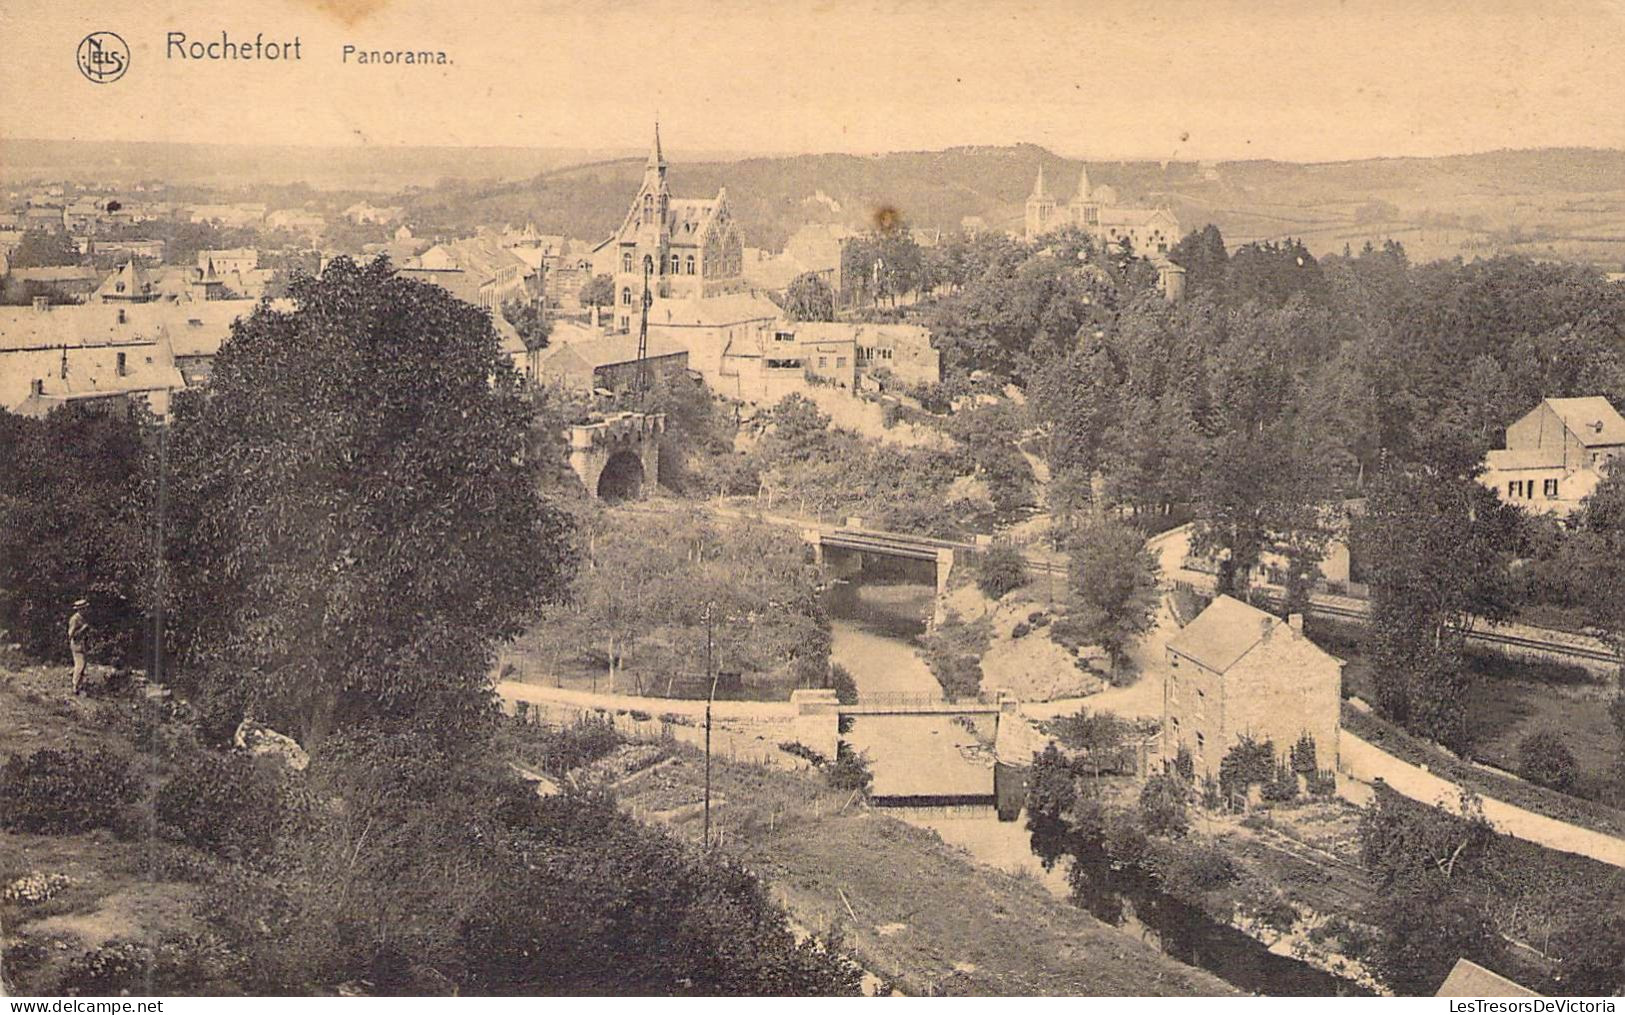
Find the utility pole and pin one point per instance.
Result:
(710, 697)
(157, 674)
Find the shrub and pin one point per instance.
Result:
(1162, 806)
(229, 804)
(1184, 764)
(1303, 755)
(801, 750)
(1002, 571)
(1323, 783)
(180, 965)
(1038, 618)
(66, 791)
(1196, 869)
(846, 689)
(850, 771)
(1275, 913)
(559, 750)
(1248, 763)
(1283, 786)
(1543, 759)
(1021, 630)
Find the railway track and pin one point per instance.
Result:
(1488, 637)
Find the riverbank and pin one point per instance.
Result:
(915, 910)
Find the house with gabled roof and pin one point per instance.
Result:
(1235, 671)
(1556, 454)
(676, 248)
(1469, 979)
(610, 362)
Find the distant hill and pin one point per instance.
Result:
(235, 165)
(1564, 203)
(1556, 203)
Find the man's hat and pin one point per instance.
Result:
(80, 603)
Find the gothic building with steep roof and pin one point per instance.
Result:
(677, 248)
(1150, 231)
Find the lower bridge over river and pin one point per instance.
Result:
(929, 752)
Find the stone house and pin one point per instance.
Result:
(1237, 671)
(1556, 454)
(83, 354)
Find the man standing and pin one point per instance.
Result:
(77, 626)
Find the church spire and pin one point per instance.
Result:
(657, 158)
(1038, 187)
(1083, 184)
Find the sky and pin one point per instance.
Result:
(1185, 79)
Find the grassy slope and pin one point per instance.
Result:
(921, 913)
(121, 889)
(1007, 934)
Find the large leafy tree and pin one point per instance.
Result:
(40, 248)
(1113, 582)
(598, 291)
(809, 298)
(1428, 865)
(75, 497)
(1437, 549)
(641, 600)
(357, 522)
(1203, 256)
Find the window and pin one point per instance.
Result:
(626, 296)
(784, 336)
(840, 361)
(648, 207)
(690, 264)
(1513, 487)
(123, 364)
(674, 263)
(823, 362)
(1550, 488)
(1201, 742)
(626, 262)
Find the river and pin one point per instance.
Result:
(874, 626)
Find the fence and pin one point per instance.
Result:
(910, 698)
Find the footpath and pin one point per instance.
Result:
(1370, 764)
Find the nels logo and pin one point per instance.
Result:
(103, 57)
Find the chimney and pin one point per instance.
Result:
(1295, 621)
(42, 304)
